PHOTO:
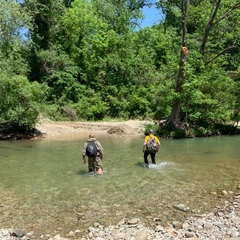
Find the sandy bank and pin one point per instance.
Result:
(52, 128)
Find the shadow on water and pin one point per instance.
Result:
(47, 186)
(140, 164)
(82, 172)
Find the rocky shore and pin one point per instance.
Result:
(222, 223)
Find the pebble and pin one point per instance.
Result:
(224, 224)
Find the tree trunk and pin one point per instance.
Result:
(174, 119)
(211, 23)
(208, 28)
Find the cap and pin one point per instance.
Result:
(150, 131)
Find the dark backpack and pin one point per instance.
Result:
(152, 145)
(91, 150)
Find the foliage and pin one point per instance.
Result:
(154, 127)
(91, 107)
(227, 129)
(197, 131)
(13, 20)
(85, 60)
(61, 76)
(208, 98)
(19, 100)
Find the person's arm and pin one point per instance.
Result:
(145, 144)
(158, 141)
(84, 152)
(100, 148)
(84, 158)
(144, 148)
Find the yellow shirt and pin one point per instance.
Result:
(151, 136)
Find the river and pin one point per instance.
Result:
(45, 187)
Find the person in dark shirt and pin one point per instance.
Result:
(94, 159)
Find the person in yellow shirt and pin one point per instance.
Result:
(147, 149)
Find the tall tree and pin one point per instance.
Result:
(121, 15)
(46, 22)
(219, 35)
(174, 118)
(213, 21)
(19, 98)
(13, 20)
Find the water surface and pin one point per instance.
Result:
(44, 185)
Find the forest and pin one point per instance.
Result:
(92, 61)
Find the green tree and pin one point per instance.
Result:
(120, 15)
(19, 101)
(13, 21)
(209, 42)
(45, 33)
(174, 118)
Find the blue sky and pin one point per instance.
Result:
(152, 16)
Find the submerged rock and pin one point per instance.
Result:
(182, 207)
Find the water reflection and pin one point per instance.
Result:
(45, 185)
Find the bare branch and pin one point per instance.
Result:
(212, 23)
(208, 28)
(227, 13)
(222, 52)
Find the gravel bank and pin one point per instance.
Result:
(223, 223)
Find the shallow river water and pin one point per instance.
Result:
(45, 187)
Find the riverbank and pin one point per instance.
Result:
(222, 223)
(52, 128)
(47, 128)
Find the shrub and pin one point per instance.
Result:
(179, 133)
(154, 127)
(20, 100)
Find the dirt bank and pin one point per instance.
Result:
(51, 128)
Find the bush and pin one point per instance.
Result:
(91, 108)
(154, 127)
(52, 111)
(20, 101)
(164, 131)
(70, 112)
(227, 129)
(179, 133)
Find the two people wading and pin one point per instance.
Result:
(94, 151)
